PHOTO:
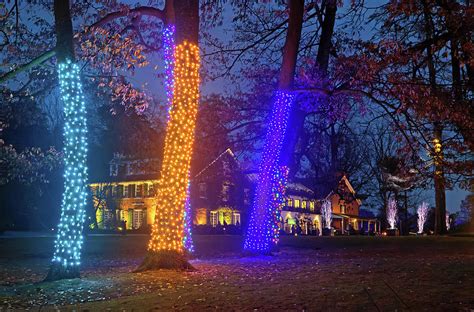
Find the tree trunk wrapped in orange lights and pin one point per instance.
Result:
(166, 249)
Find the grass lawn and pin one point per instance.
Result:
(308, 273)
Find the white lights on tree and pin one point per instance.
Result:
(68, 243)
(326, 213)
(448, 222)
(392, 213)
(422, 213)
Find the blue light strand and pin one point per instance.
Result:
(261, 230)
(69, 239)
(279, 180)
(168, 56)
(188, 237)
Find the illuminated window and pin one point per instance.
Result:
(297, 203)
(214, 218)
(146, 190)
(343, 208)
(125, 191)
(236, 218)
(151, 190)
(303, 204)
(202, 190)
(138, 218)
(290, 202)
(311, 205)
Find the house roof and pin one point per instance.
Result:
(228, 151)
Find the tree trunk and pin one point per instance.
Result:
(439, 182)
(439, 185)
(262, 232)
(166, 248)
(68, 243)
(297, 118)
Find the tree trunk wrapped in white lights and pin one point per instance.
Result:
(422, 213)
(392, 213)
(68, 244)
(326, 213)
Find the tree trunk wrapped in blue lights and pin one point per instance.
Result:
(68, 243)
(261, 231)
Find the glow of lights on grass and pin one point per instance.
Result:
(168, 228)
(326, 213)
(392, 213)
(422, 213)
(279, 180)
(260, 232)
(69, 239)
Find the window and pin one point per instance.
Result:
(246, 196)
(151, 190)
(114, 191)
(225, 192)
(113, 170)
(129, 169)
(226, 167)
(214, 218)
(289, 202)
(303, 204)
(297, 203)
(125, 191)
(145, 190)
(343, 208)
(236, 218)
(140, 190)
(311, 205)
(202, 190)
(139, 218)
(131, 190)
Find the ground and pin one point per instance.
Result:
(308, 273)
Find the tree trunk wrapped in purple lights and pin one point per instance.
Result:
(260, 233)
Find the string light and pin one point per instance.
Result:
(69, 239)
(168, 228)
(279, 180)
(168, 56)
(260, 234)
(188, 238)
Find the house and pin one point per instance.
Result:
(221, 194)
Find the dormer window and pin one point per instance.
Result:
(129, 169)
(225, 192)
(202, 190)
(113, 170)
